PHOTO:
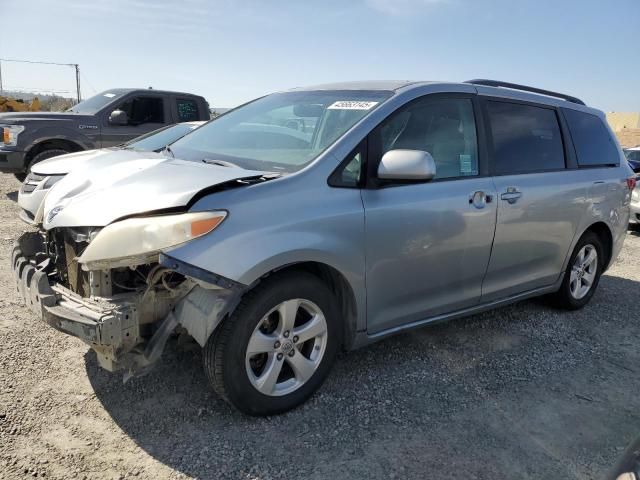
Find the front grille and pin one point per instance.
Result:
(28, 187)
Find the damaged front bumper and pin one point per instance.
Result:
(127, 330)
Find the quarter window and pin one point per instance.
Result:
(525, 138)
(349, 174)
(187, 110)
(593, 143)
(141, 110)
(443, 127)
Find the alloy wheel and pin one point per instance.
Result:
(286, 347)
(583, 271)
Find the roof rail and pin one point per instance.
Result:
(515, 86)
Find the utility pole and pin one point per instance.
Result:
(74, 65)
(77, 81)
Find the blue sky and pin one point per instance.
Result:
(231, 51)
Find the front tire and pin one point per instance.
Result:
(44, 155)
(277, 347)
(583, 273)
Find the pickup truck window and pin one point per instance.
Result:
(187, 110)
(144, 109)
(94, 104)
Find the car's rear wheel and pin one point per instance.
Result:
(45, 154)
(583, 273)
(276, 349)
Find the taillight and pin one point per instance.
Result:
(631, 183)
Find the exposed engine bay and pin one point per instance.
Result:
(126, 313)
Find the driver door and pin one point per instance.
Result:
(428, 244)
(145, 114)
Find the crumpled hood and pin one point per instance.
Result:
(63, 164)
(97, 197)
(90, 161)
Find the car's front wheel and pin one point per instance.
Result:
(44, 155)
(276, 349)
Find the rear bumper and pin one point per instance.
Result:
(12, 161)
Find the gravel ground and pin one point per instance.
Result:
(521, 392)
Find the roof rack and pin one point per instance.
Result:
(515, 86)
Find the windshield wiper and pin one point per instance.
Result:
(167, 148)
(222, 163)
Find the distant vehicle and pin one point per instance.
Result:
(633, 157)
(105, 120)
(274, 248)
(47, 173)
(8, 104)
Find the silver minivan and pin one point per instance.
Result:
(327, 218)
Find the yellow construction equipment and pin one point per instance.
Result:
(8, 104)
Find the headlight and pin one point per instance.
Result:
(134, 240)
(10, 134)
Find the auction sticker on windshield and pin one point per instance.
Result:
(351, 105)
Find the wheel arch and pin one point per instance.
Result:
(604, 233)
(339, 286)
(50, 144)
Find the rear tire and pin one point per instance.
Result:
(583, 273)
(291, 322)
(45, 154)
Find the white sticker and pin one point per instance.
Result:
(352, 105)
(109, 95)
(465, 164)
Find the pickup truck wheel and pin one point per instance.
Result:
(583, 273)
(52, 152)
(276, 349)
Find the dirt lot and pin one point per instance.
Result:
(522, 392)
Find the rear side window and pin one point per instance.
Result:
(525, 138)
(593, 143)
(187, 110)
(141, 110)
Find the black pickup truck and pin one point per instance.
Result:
(107, 119)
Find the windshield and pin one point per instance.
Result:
(281, 132)
(158, 139)
(94, 104)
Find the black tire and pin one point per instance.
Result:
(563, 298)
(45, 154)
(224, 353)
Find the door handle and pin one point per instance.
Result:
(479, 199)
(511, 195)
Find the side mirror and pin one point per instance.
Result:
(118, 117)
(407, 165)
